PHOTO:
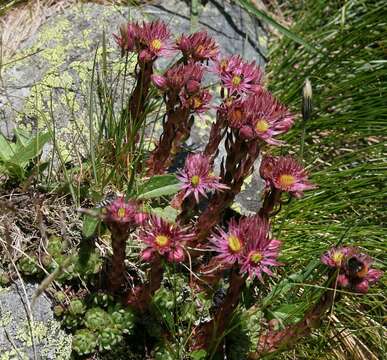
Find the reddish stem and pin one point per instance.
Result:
(174, 129)
(211, 331)
(141, 296)
(284, 339)
(117, 270)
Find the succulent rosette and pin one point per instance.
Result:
(164, 238)
(197, 177)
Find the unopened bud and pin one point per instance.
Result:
(307, 100)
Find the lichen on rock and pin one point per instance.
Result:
(18, 333)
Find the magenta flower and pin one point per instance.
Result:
(230, 244)
(238, 76)
(123, 214)
(260, 252)
(355, 272)
(197, 103)
(247, 243)
(265, 118)
(234, 111)
(128, 36)
(197, 177)
(198, 46)
(154, 40)
(337, 257)
(286, 174)
(360, 274)
(180, 76)
(164, 239)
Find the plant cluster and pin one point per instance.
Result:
(214, 283)
(233, 261)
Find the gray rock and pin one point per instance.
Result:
(57, 63)
(17, 333)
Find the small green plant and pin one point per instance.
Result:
(28, 265)
(84, 341)
(19, 160)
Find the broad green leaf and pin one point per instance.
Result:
(198, 354)
(252, 9)
(288, 313)
(23, 137)
(32, 150)
(160, 185)
(168, 213)
(6, 148)
(89, 226)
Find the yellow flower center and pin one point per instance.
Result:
(195, 180)
(196, 102)
(121, 212)
(200, 49)
(234, 243)
(162, 240)
(338, 257)
(262, 126)
(236, 80)
(156, 44)
(286, 180)
(223, 64)
(256, 257)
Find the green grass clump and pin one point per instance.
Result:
(344, 144)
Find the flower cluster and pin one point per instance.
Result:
(150, 39)
(197, 177)
(284, 173)
(355, 272)
(183, 81)
(163, 238)
(248, 244)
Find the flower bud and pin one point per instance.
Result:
(307, 100)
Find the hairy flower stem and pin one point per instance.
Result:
(174, 129)
(140, 296)
(215, 138)
(208, 333)
(116, 274)
(137, 100)
(271, 200)
(188, 208)
(239, 163)
(285, 339)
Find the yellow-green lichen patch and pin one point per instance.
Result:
(51, 341)
(6, 319)
(14, 354)
(35, 331)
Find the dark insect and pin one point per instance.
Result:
(356, 268)
(107, 200)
